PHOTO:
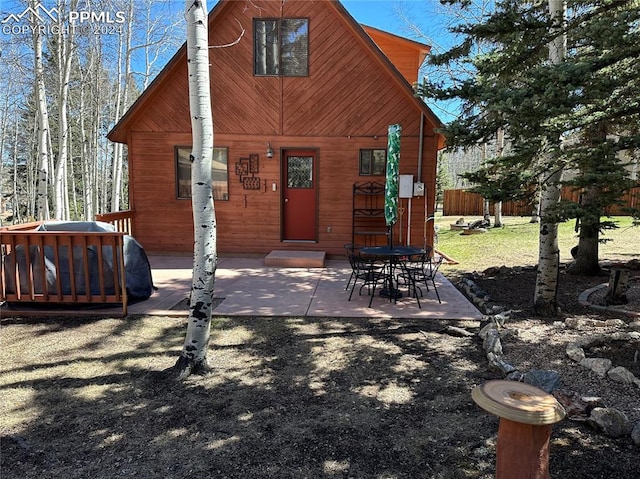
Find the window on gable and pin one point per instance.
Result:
(219, 173)
(373, 162)
(281, 46)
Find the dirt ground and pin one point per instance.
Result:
(289, 398)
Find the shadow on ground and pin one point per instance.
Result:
(288, 398)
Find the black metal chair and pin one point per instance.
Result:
(352, 251)
(369, 271)
(420, 269)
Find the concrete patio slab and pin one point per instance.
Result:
(246, 287)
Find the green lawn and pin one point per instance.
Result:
(516, 244)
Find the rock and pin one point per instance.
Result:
(459, 332)
(546, 380)
(621, 375)
(515, 375)
(495, 309)
(581, 323)
(492, 343)
(594, 340)
(509, 333)
(635, 325)
(610, 421)
(614, 323)
(497, 364)
(600, 366)
(485, 330)
(575, 352)
(577, 408)
(635, 434)
(501, 318)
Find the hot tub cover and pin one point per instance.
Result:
(137, 267)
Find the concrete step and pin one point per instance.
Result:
(295, 259)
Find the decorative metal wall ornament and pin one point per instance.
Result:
(251, 183)
(246, 169)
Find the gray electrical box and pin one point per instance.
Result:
(418, 189)
(406, 182)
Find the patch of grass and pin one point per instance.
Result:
(516, 243)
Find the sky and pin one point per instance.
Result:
(385, 15)
(378, 13)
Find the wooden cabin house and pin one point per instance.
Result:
(302, 99)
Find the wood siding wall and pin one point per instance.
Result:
(462, 202)
(407, 59)
(250, 221)
(346, 103)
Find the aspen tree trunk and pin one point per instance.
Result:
(3, 134)
(64, 66)
(124, 71)
(545, 302)
(497, 207)
(193, 359)
(87, 178)
(535, 213)
(42, 204)
(17, 214)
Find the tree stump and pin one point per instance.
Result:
(617, 289)
(526, 414)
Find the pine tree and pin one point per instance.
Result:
(550, 104)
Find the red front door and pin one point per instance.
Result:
(299, 195)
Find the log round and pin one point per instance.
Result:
(526, 414)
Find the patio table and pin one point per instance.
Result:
(392, 256)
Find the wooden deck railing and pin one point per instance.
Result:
(62, 267)
(121, 220)
(22, 226)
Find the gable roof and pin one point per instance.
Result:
(119, 132)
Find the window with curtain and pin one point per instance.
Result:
(219, 173)
(281, 46)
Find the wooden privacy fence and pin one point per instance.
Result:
(62, 267)
(462, 202)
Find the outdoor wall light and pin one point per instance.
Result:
(269, 150)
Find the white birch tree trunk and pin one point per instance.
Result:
(535, 210)
(17, 213)
(124, 71)
(42, 203)
(87, 178)
(497, 213)
(497, 207)
(64, 72)
(545, 296)
(193, 359)
(545, 301)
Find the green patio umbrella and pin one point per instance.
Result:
(392, 179)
